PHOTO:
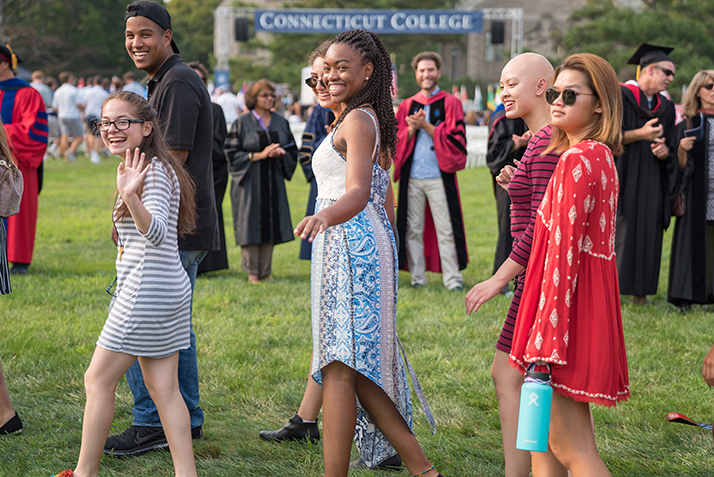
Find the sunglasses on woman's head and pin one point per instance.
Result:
(312, 82)
(569, 96)
(708, 86)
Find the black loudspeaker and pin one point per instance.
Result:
(498, 32)
(242, 29)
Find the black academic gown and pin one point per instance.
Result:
(643, 209)
(500, 154)
(688, 261)
(218, 259)
(261, 213)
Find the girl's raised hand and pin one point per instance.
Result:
(131, 173)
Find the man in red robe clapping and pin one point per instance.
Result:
(431, 148)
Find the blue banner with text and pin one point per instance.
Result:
(377, 21)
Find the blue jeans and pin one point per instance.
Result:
(145, 412)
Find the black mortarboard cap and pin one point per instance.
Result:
(7, 54)
(154, 12)
(647, 54)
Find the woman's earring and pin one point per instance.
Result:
(367, 78)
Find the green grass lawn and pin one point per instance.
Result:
(254, 344)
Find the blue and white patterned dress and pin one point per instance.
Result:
(354, 295)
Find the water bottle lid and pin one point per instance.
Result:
(538, 375)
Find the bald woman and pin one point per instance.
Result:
(523, 83)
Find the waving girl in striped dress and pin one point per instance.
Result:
(149, 316)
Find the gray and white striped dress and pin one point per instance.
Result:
(150, 315)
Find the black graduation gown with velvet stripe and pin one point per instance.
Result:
(643, 209)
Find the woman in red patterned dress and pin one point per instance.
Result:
(570, 315)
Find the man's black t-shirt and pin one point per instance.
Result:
(184, 110)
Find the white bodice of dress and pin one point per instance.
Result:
(330, 170)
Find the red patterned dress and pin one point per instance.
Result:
(570, 310)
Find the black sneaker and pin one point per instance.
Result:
(19, 268)
(139, 440)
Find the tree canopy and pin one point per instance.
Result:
(84, 37)
(615, 33)
(87, 37)
(192, 22)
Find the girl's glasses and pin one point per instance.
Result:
(569, 96)
(120, 124)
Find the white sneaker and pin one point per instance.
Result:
(94, 157)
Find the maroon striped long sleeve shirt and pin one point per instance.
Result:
(526, 190)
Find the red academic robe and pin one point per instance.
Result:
(450, 149)
(25, 120)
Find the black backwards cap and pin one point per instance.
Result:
(154, 12)
(6, 54)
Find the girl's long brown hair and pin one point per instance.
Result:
(154, 145)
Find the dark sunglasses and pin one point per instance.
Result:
(312, 82)
(665, 71)
(569, 96)
(708, 86)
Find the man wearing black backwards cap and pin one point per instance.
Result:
(25, 119)
(644, 210)
(184, 111)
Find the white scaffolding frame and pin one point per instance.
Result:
(516, 17)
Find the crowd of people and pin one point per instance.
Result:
(587, 174)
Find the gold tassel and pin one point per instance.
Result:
(14, 57)
(639, 70)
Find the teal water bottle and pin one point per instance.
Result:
(534, 411)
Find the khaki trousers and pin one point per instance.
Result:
(257, 259)
(419, 192)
